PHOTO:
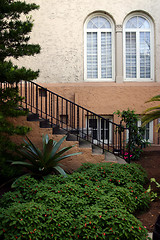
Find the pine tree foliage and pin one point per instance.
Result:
(15, 27)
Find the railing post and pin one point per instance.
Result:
(67, 115)
(120, 137)
(77, 122)
(108, 126)
(87, 125)
(129, 145)
(57, 115)
(26, 94)
(46, 102)
(104, 123)
(36, 99)
(83, 123)
(51, 111)
(31, 96)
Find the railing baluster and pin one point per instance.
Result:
(62, 113)
(67, 115)
(57, 110)
(26, 94)
(77, 122)
(129, 146)
(52, 107)
(31, 97)
(87, 125)
(46, 103)
(37, 100)
(108, 126)
(82, 122)
(49, 106)
(51, 110)
(104, 124)
(74, 116)
(54, 102)
(41, 101)
(70, 111)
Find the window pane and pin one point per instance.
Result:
(132, 22)
(143, 23)
(104, 129)
(138, 22)
(146, 134)
(93, 123)
(106, 55)
(145, 55)
(98, 22)
(131, 55)
(92, 58)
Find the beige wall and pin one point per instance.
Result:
(59, 29)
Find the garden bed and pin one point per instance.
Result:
(150, 161)
(96, 202)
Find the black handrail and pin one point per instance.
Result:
(74, 119)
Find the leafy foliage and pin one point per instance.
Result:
(14, 42)
(80, 206)
(130, 119)
(152, 113)
(41, 163)
(154, 194)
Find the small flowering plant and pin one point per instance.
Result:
(130, 119)
(96, 202)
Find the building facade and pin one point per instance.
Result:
(102, 55)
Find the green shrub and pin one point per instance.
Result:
(117, 174)
(80, 206)
(130, 119)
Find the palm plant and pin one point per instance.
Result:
(42, 163)
(151, 113)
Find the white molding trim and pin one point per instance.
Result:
(138, 79)
(113, 48)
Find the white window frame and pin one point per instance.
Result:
(150, 130)
(99, 48)
(138, 79)
(110, 118)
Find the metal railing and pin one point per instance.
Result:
(74, 119)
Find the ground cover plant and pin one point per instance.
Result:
(95, 202)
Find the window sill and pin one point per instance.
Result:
(99, 80)
(139, 80)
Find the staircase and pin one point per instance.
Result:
(64, 117)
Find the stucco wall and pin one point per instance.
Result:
(106, 99)
(59, 30)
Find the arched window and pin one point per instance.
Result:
(138, 47)
(98, 48)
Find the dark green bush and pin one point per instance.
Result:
(81, 206)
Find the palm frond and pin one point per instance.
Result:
(150, 117)
(152, 109)
(154, 99)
